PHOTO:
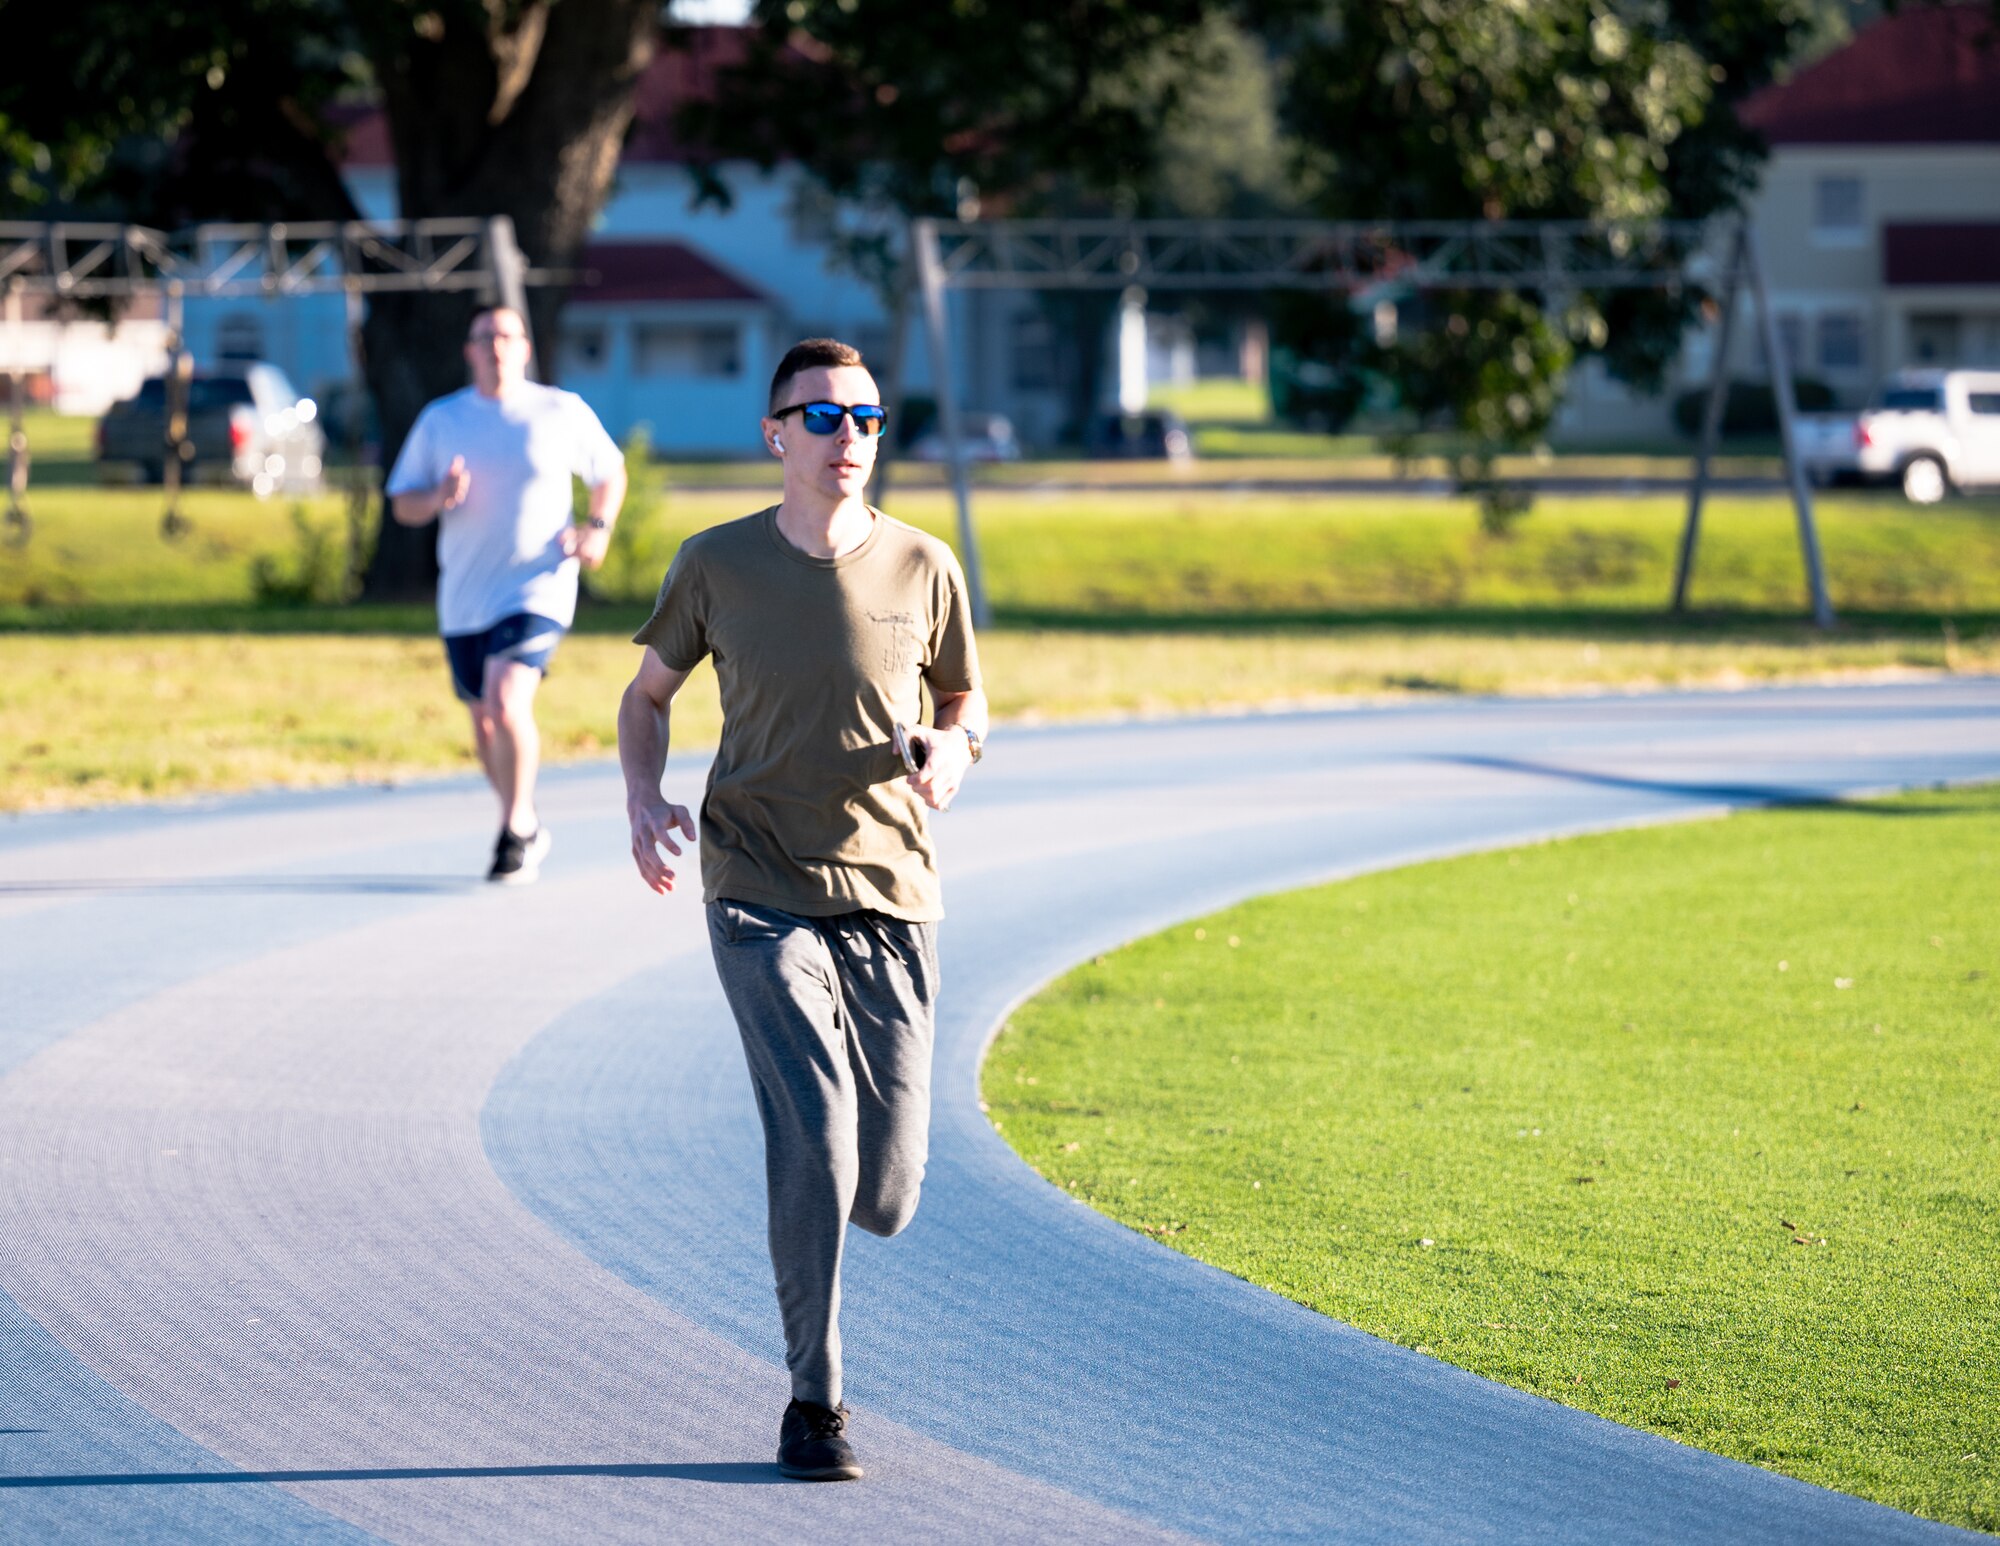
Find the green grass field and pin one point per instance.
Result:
(1104, 559)
(1694, 1127)
(1107, 603)
(89, 718)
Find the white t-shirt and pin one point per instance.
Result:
(500, 552)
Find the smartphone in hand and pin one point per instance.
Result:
(912, 752)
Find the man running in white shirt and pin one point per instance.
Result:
(492, 464)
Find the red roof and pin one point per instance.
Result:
(656, 271)
(364, 136)
(684, 70)
(1935, 254)
(1929, 75)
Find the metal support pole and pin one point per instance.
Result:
(895, 396)
(1711, 421)
(510, 279)
(930, 275)
(177, 453)
(360, 490)
(19, 525)
(1781, 391)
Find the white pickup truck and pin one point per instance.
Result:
(1932, 431)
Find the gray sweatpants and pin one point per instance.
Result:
(836, 1016)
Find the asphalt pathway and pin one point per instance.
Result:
(342, 1197)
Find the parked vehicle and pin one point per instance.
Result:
(1827, 447)
(987, 437)
(1155, 432)
(1932, 431)
(246, 421)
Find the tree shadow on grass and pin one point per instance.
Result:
(727, 1472)
(1771, 796)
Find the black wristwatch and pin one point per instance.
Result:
(598, 523)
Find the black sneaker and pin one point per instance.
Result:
(810, 1445)
(518, 860)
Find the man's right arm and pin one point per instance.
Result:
(427, 504)
(643, 733)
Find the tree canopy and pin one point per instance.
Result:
(1484, 110)
(1411, 109)
(237, 109)
(1478, 109)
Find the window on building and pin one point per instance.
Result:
(1840, 345)
(1839, 215)
(1934, 338)
(1980, 340)
(1791, 338)
(1033, 353)
(710, 351)
(586, 346)
(239, 336)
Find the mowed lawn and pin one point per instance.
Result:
(1694, 1127)
(132, 666)
(1175, 557)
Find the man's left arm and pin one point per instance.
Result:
(602, 467)
(960, 716)
(590, 542)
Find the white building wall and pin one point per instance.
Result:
(90, 365)
(1816, 273)
(715, 415)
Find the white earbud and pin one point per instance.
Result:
(777, 442)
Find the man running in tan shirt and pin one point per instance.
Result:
(826, 621)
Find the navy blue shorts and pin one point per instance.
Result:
(524, 637)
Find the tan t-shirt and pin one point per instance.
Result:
(819, 659)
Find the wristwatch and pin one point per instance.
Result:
(598, 523)
(974, 743)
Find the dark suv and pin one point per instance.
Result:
(246, 421)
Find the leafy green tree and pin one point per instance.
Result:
(1488, 110)
(198, 109)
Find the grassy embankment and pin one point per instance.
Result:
(137, 667)
(1692, 1127)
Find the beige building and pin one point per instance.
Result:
(1878, 217)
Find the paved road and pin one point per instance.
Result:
(341, 1197)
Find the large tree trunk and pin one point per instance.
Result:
(524, 120)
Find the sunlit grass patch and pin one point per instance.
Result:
(1694, 1127)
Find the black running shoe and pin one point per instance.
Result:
(518, 860)
(811, 1447)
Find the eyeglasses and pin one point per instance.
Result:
(824, 418)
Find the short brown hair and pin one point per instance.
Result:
(809, 354)
(494, 311)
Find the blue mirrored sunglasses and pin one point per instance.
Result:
(824, 418)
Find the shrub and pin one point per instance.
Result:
(1749, 407)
